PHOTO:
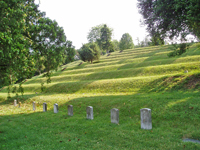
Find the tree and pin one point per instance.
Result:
(50, 43)
(28, 42)
(89, 52)
(16, 21)
(69, 52)
(95, 34)
(126, 42)
(106, 38)
(171, 17)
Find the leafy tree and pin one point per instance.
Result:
(50, 43)
(16, 21)
(106, 34)
(126, 42)
(28, 41)
(69, 52)
(89, 52)
(171, 17)
(95, 35)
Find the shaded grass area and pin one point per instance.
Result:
(175, 116)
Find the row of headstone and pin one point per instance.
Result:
(145, 114)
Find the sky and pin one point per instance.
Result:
(77, 17)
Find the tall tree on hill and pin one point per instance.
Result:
(95, 35)
(106, 38)
(171, 17)
(126, 42)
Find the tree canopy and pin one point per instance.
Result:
(171, 17)
(89, 52)
(29, 41)
(126, 42)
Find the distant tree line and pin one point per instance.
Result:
(100, 38)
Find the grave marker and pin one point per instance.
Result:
(89, 111)
(70, 110)
(55, 108)
(115, 115)
(19, 104)
(44, 107)
(145, 115)
(15, 102)
(34, 106)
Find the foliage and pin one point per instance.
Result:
(69, 52)
(16, 19)
(171, 17)
(49, 43)
(89, 52)
(116, 45)
(29, 42)
(126, 42)
(95, 33)
(178, 49)
(106, 34)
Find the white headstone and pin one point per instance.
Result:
(70, 110)
(145, 115)
(44, 107)
(114, 115)
(34, 106)
(15, 102)
(55, 108)
(89, 111)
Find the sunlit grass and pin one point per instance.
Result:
(134, 79)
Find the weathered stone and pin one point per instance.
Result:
(34, 106)
(70, 110)
(145, 115)
(44, 107)
(115, 115)
(89, 111)
(55, 108)
(15, 102)
(19, 104)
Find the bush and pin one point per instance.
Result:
(89, 52)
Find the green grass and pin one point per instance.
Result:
(131, 80)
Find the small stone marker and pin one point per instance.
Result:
(34, 106)
(70, 110)
(15, 102)
(19, 104)
(55, 108)
(44, 107)
(145, 115)
(114, 115)
(89, 111)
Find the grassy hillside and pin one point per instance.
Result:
(131, 80)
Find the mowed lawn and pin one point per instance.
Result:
(129, 81)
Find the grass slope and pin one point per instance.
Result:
(131, 80)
